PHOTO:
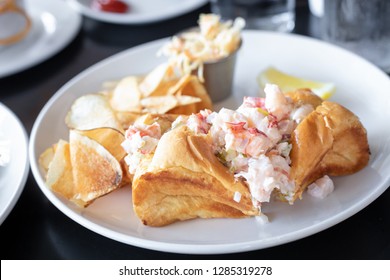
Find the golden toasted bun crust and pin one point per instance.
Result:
(304, 96)
(184, 180)
(329, 141)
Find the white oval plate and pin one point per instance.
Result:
(361, 87)
(13, 176)
(54, 25)
(145, 11)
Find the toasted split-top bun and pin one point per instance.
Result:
(329, 141)
(185, 180)
(304, 96)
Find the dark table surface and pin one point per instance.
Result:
(35, 229)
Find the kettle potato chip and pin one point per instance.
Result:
(91, 111)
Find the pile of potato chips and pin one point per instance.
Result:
(91, 163)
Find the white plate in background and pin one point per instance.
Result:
(13, 176)
(54, 25)
(361, 87)
(141, 12)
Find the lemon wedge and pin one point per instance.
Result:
(288, 82)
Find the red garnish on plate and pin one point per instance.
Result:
(112, 6)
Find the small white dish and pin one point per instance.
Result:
(112, 215)
(13, 176)
(54, 25)
(141, 12)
